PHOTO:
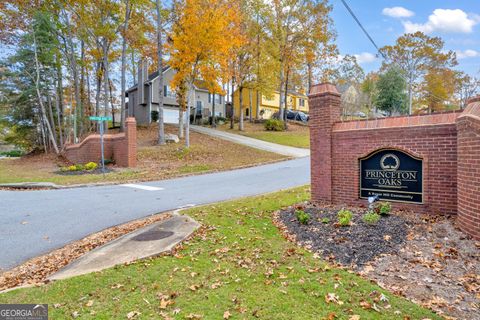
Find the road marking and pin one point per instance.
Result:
(142, 187)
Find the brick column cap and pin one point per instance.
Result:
(473, 99)
(325, 88)
(130, 120)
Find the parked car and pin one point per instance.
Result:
(293, 115)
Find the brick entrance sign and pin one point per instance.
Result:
(121, 147)
(427, 163)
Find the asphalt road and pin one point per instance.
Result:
(36, 222)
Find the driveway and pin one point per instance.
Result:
(36, 222)
(254, 143)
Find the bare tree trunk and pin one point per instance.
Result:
(105, 80)
(180, 123)
(232, 118)
(110, 85)
(99, 69)
(124, 65)
(250, 111)
(310, 76)
(286, 101)
(281, 97)
(214, 125)
(59, 99)
(161, 129)
(39, 96)
(240, 119)
(257, 106)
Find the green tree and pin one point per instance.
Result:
(391, 88)
(415, 54)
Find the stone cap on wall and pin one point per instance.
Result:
(396, 122)
(323, 89)
(473, 108)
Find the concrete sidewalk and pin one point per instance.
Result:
(254, 143)
(140, 244)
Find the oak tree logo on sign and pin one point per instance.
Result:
(390, 162)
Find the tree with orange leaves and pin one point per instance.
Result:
(202, 42)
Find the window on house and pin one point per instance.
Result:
(209, 98)
(168, 92)
(247, 112)
(302, 102)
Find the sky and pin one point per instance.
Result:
(457, 22)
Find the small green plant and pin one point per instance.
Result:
(344, 217)
(384, 208)
(72, 168)
(302, 216)
(325, 220)
(371, 217)
(91, 166)
(274, 125)
(79, 167)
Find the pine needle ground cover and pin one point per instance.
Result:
(238, 266)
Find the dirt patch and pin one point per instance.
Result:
(36, 270)
(438, 267)
(426, 259)
(82, 172)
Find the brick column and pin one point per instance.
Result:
(468, 168)
(131, 141)
(324, 104)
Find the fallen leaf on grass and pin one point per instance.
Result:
(194, 316)
(332, 297)
(226, 315)
(164, 303)
(133, 314)
(354, 317)
(89, 303)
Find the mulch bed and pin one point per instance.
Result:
(426, 259)
(351, 246)
(36, 270)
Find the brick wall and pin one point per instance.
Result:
(447, 143)
(121, 147)
(468, 181)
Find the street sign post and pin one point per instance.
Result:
(101, 121)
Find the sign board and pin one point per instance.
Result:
(393, 175)
(100, 118)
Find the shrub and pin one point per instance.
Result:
(384, 208)
(344, 217)
(13, 153)
(325, 220)
(154, 115)
(371, 217)
(302, 216)
(274, 125)
(72, 168)
(79, 167)
(91, 166)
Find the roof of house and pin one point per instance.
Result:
(199, 84)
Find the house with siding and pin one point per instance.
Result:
(268, 104)
(143, 97)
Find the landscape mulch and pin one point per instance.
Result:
(36, 270)
(426, 259)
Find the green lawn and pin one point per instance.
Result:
(239, 265)
(296, 135)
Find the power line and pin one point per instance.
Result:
(361, 26)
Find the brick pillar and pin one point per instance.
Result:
(131, 141)
(324, 104)
(468, 168)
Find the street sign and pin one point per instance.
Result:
(101, 123)
(93, 118)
